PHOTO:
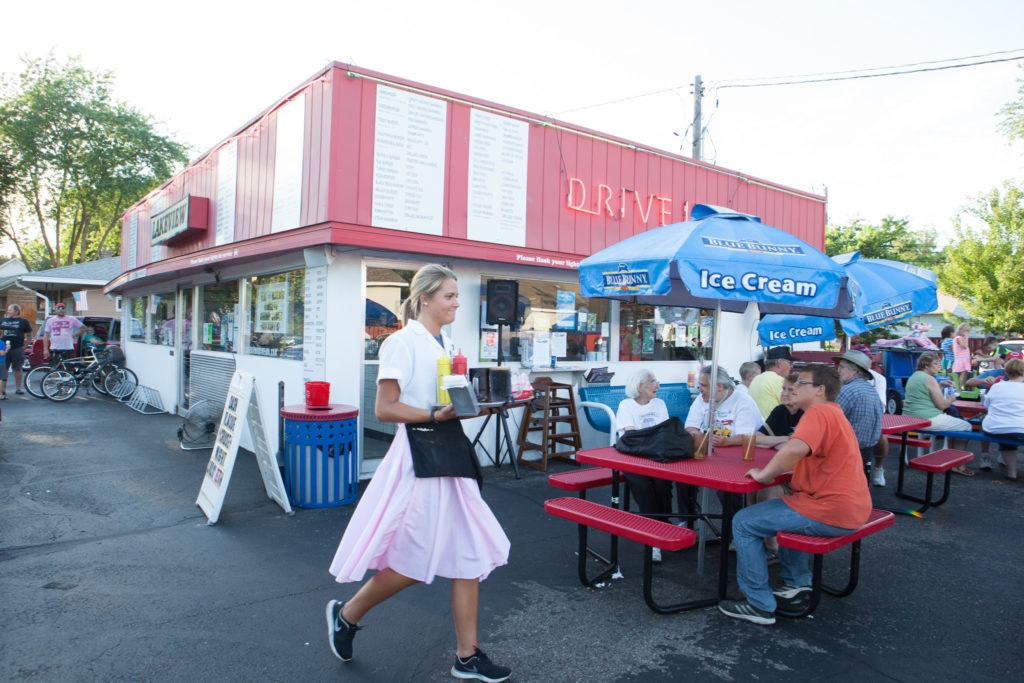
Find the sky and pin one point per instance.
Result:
(916, 146)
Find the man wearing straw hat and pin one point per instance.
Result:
(859, 401)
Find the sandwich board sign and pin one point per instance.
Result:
(241, 407)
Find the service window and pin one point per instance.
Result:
(277, 314)
(576, 329)
(663, 333)
(218, 313)
(137, 318)
(161, 319)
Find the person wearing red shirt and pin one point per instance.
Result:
(829, 497)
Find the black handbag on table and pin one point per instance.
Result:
(666, 441)
(442, 449)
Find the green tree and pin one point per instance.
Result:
(891, 239)
(985, 263)
(75, 160)
(1012, 113)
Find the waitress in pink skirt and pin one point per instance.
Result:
(412, 528)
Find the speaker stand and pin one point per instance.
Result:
(500, 355)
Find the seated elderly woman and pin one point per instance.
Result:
(781, 422)
(1005, 417)
(644, 409)
(924, 399)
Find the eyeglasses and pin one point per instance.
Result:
(803, 382)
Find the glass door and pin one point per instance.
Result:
(387, 285)
(183, 342)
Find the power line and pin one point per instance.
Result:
(855, 77)
(853, 74)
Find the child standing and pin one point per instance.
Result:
(962, 354)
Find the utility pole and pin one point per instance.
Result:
(698, 132)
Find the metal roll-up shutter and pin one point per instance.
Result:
(209, 378)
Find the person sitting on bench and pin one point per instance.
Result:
(643, 409)
(924, 399)
(1005, 404)
(830, 498)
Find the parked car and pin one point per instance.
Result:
(107, 328)
(1013, 345)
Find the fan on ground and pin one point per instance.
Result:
(199, 426)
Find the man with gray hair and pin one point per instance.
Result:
(748, 371)
(859, 401)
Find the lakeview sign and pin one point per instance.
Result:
(182, 220)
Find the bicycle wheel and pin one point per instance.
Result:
(34, 380)
(121, 383)
(59, 385)
(97, 378)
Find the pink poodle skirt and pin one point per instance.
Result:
(420, 528)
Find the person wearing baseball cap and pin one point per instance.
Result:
(766, 388)
(59, 333)
(859, 401)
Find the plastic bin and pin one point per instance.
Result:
(321, 468)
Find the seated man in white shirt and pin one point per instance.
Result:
(736, 414)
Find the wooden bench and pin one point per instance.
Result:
(650, 532)
(937, 461)
(819, 546)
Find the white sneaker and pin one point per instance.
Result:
(877, 476)
(986, 462)
(656, 555)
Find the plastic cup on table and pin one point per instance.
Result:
(701, 450)
(749, 443)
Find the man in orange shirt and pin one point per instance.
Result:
(829, 498)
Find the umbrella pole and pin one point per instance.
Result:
(705, 494)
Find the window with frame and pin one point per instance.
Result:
(386, 289)
(551, 310)
(649, 333)
(137, 319)
(277, 314)
(161, 319)
(218, 314)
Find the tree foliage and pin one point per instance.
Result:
(891, 239)
(1012, 113)
(72, 159)
(985, 264)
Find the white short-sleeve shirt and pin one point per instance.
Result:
(410, 356)
(737, 414)
(635, 416)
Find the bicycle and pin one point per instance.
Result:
(61, 382)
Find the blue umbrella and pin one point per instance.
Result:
(884, 292)
(377, 314)
(720, 258)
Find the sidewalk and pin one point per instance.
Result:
(109, 572)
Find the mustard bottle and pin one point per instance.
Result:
(444, 368)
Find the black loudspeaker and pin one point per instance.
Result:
(502, 298)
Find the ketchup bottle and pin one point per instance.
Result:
(459, 364)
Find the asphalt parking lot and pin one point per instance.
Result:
(109, 572)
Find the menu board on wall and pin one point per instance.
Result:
(408, 161)
(291, 123)
(273, 310)
(314, 331)
(496, 196)
(133, 241)
(227, 179)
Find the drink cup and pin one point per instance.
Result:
(701, 450)
(749, 443)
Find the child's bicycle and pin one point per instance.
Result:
(99, 370)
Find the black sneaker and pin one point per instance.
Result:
(745, 611)
(479, 668)
(339, 632)
(788, 592)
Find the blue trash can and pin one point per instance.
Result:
(321, 468)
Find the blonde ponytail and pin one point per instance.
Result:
(425, 282)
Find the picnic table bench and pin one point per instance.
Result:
(819, 546)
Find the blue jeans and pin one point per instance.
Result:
(750, 527)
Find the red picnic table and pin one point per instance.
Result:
(969, 409)
(723, 470)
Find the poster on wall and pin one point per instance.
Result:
(314, 330)
(133, 240)
(565, 310)
(241, 407)
(496, 191)
(291, 122)
(409, 161)
(273, 309)
(227, 181)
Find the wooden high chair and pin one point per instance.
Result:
(552, 406)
